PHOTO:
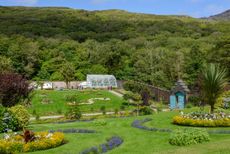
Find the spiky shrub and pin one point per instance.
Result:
(183, 137)
(214, 79)
(14, 88)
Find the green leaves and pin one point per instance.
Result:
(214, 79)
(183, 137)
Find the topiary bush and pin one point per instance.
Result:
(183, 137)
(22, 115)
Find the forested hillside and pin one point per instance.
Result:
(41, 43)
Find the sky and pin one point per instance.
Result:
(194, 8)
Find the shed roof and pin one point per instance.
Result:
(180, 86)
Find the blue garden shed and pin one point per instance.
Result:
(178, 95)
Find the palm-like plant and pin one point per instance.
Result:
(214, 79)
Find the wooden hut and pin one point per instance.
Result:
(179, 95)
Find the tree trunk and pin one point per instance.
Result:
(67, 84)
(212, 108)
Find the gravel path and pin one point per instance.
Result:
(116, 93)
(61, 116)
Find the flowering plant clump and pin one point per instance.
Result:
(111, 143)
(182, 137)
(203, 119)
(73, 131)
(139, 124)
(15, 143)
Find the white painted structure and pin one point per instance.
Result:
(101, 81)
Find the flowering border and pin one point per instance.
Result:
(71, 121)
(139, 124)
(112, 143)
(73, 130)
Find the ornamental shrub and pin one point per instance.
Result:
(8, 121)
(71, 98)
(183, 137)
(99, 122)
(1, 118)
(14, 88)
(73, 112)
(145, 110)
(22, 115)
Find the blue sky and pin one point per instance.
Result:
(195, 8)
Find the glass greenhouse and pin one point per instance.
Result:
(101, 81)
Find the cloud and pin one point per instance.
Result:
(21, 2)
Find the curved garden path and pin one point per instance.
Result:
(139, 124)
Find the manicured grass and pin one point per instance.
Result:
(58, 101)
(136, 141)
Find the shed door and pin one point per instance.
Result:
(181, 101)
(172, 102)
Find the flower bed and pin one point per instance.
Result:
(111, 143)
(71, 121)
(203, 119)
(139, 124)
(73, 131)
(41, 141)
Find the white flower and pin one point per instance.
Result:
(49, 135)
(6, 136)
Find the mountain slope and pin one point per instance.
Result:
(222, 16)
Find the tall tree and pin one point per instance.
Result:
(68, 72)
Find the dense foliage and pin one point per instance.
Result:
(8, 121)
(14, 118)
(182, 137)
(214, 80)
(21, 114)
(14, 88)
(41, 42)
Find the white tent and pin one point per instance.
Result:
(101, 81)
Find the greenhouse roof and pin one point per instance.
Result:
(99, 76)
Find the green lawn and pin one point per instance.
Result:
(136, 141)
(57, 104)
